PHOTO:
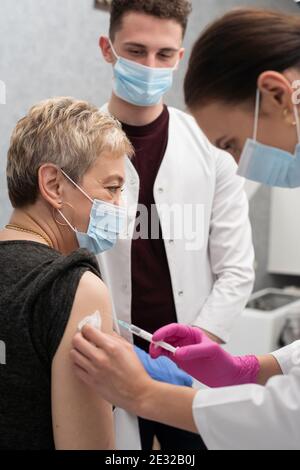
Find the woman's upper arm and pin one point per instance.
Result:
(81, 419)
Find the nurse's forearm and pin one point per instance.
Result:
(269, 368)
(173, 405)
(168, 404)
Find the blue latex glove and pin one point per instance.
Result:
(163, 369)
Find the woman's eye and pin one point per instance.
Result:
(228, 146)
(224, 146)
(114, 189)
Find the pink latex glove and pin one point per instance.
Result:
(203, 359)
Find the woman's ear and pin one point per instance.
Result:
(276, 91)
(50, 184)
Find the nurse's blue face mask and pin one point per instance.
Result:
(270, 165)
(106, 223)
(138, 84)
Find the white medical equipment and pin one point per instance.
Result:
(146, 336)
(260, 326)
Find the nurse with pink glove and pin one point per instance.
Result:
(204, 359)
(242, 82)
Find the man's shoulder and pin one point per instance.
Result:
(185, 126)
(182, 115)
(186, 121)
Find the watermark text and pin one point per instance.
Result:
(2, 92)
(296, 94)
(2, 353)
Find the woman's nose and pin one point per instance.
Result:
(117, 200)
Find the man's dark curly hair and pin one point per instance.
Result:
(177, 10)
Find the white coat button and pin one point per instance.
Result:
(160, 190)
(180, 293)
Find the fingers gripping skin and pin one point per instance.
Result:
(110, 364)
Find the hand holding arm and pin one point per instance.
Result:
(109, 365)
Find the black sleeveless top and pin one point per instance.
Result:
(37, 290)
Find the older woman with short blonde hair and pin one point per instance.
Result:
(65, 173)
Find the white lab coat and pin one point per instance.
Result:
(212, 281)
(252, 417)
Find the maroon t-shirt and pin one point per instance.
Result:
(152, 295)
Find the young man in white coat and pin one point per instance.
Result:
(204, 275)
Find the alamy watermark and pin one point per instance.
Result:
(2, 353)
(184, 223)
(296, 94)
(2, 92)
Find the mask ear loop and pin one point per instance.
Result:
(67, 224)
(176, 66)
(113, 49)
(76, 186)
(256, 117)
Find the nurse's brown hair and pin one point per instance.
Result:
(232, 52)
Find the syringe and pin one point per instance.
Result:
(146, 336)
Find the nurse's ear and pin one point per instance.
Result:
(106, 50)
(276, 93)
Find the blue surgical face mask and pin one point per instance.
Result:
(270, 165)
(106, 223)
(138, 84)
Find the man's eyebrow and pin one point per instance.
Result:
(142, 46)
(135, 44)
(169, 49)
